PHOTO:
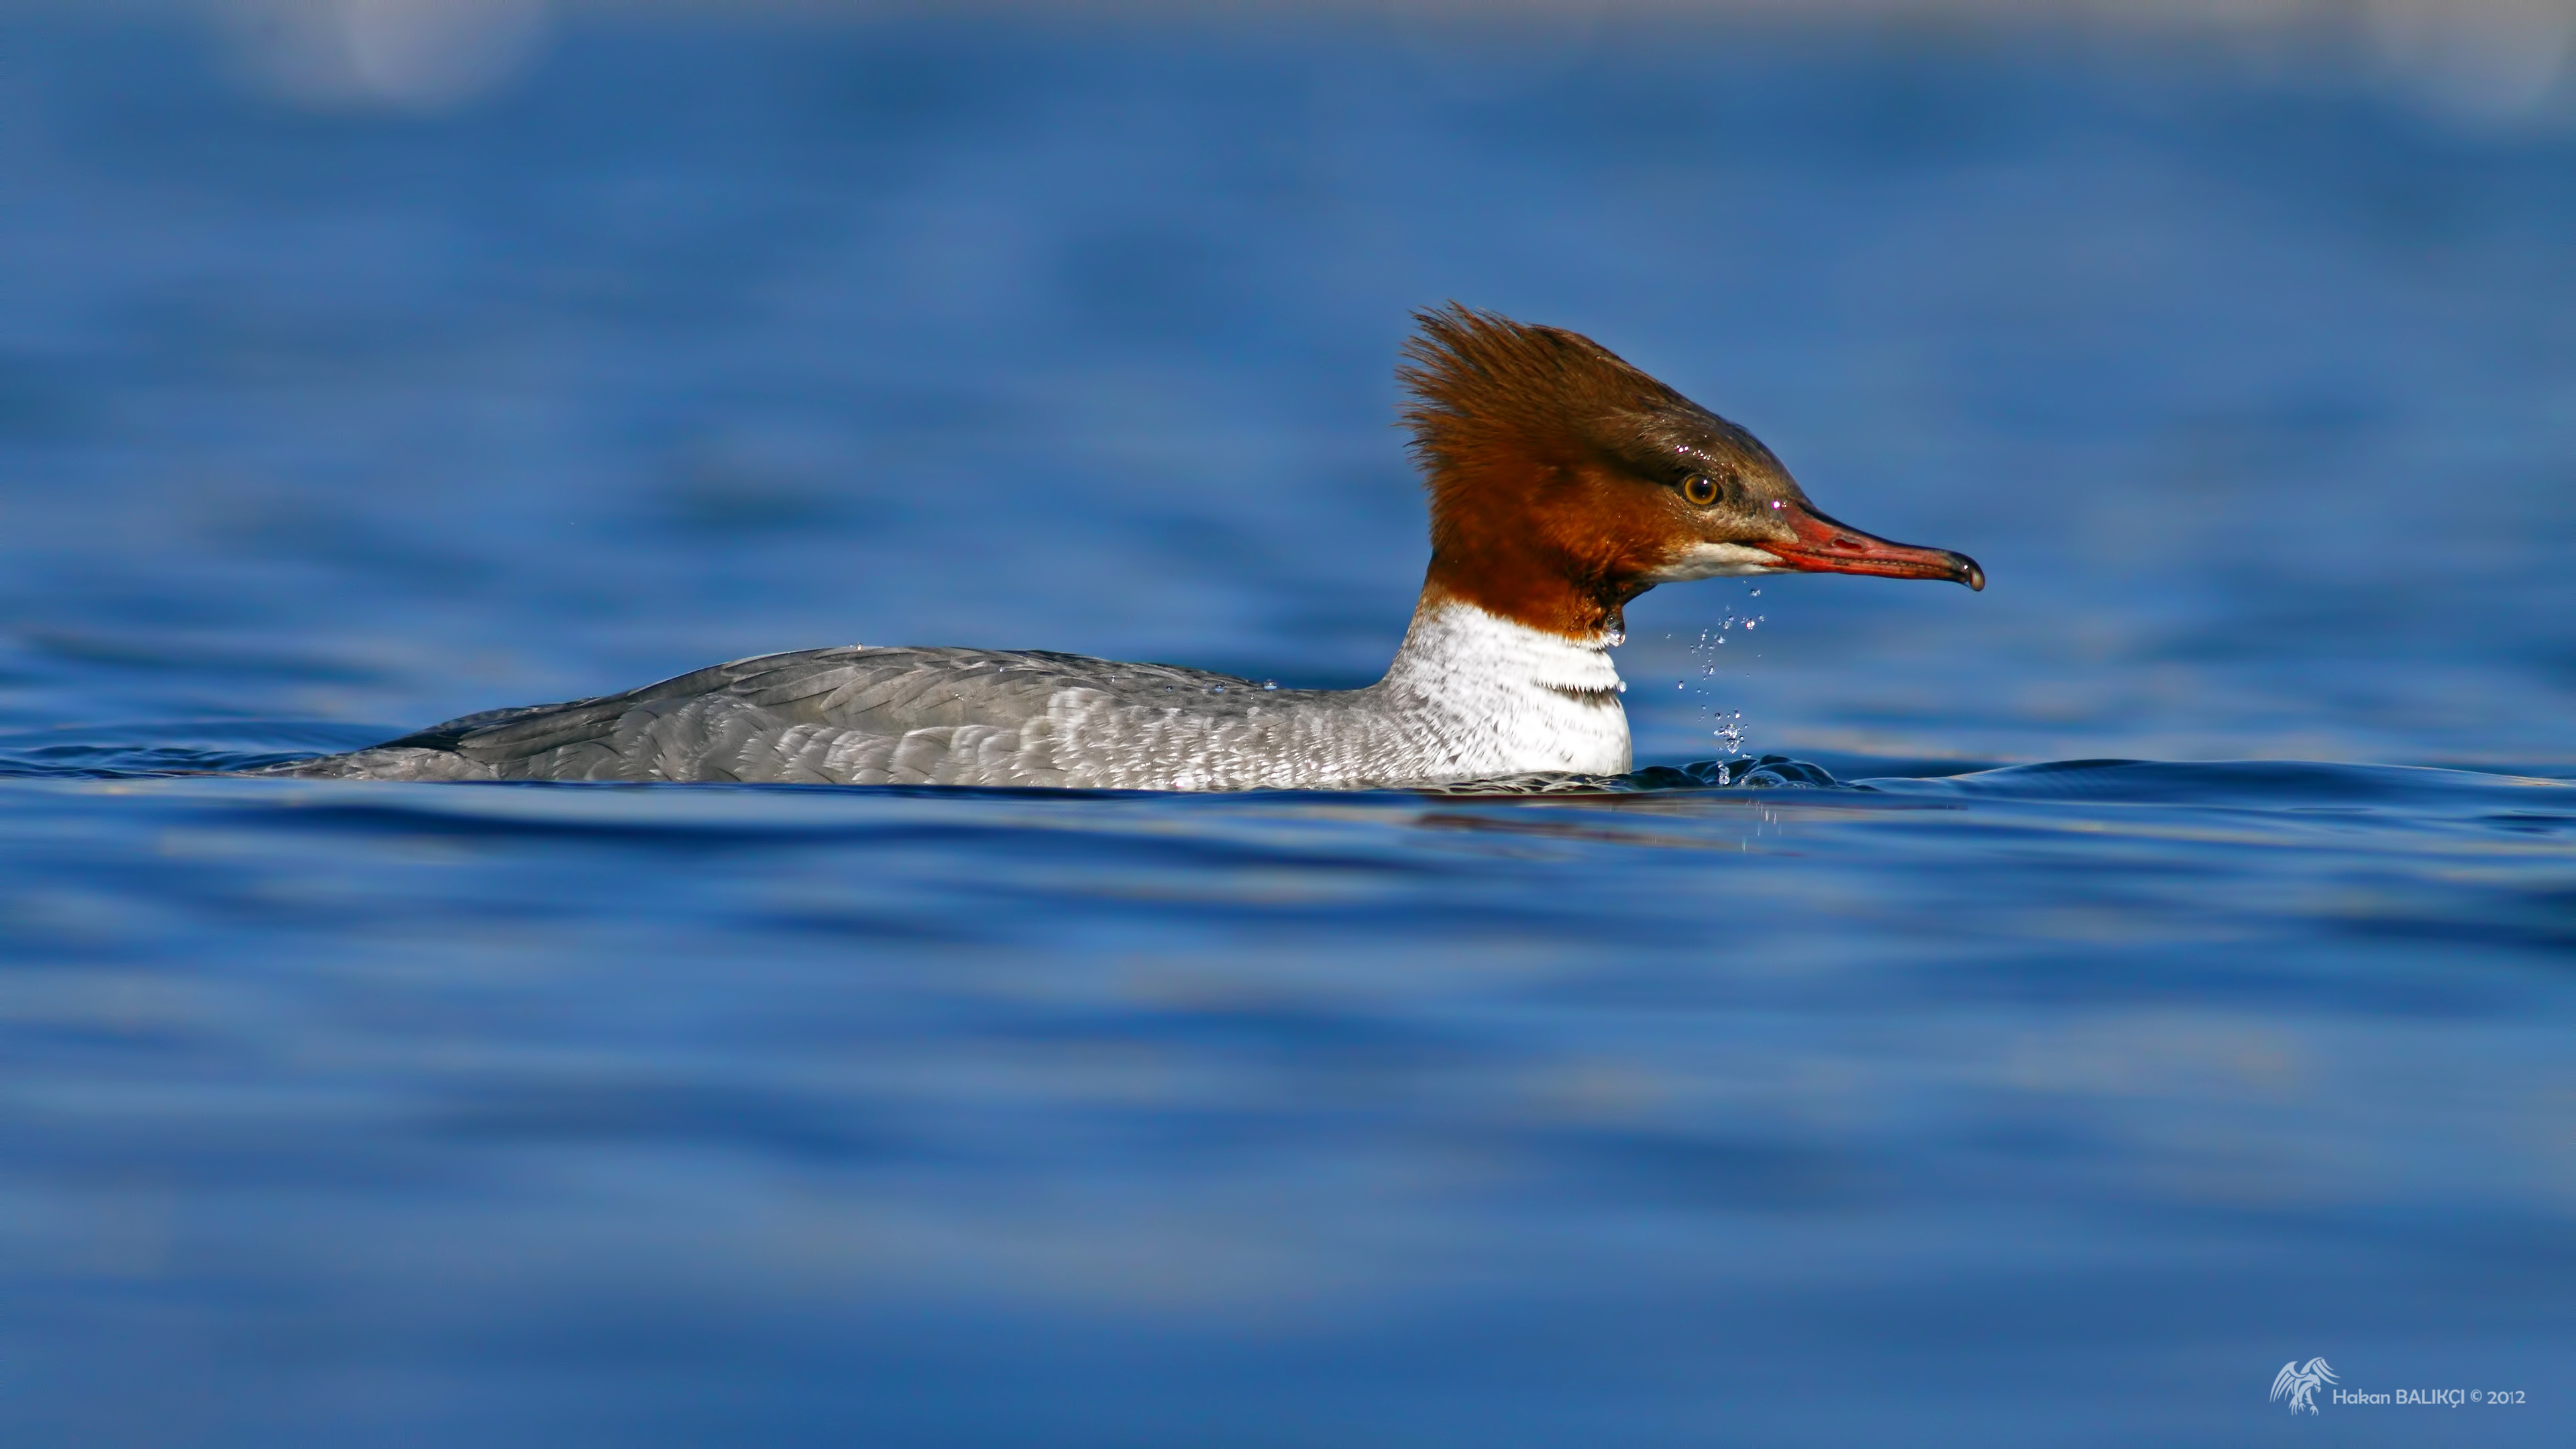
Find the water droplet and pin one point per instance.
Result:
(1757, 593)
(1270, 684)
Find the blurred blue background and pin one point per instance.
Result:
(366, 362)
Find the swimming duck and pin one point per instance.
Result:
(1563, 483)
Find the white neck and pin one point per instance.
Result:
(1503, 698)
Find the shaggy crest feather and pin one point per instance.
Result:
(1486, 388)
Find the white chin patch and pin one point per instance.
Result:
(1716, 561)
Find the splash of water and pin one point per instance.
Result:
(1726, 727)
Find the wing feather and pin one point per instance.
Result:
(848, 713)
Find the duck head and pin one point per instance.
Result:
(1565, 482)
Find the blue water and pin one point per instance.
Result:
(2177, 982)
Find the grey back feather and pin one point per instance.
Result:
(845, 715)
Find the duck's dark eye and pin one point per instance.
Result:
(1700, 489)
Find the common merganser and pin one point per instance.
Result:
(1563, 483)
